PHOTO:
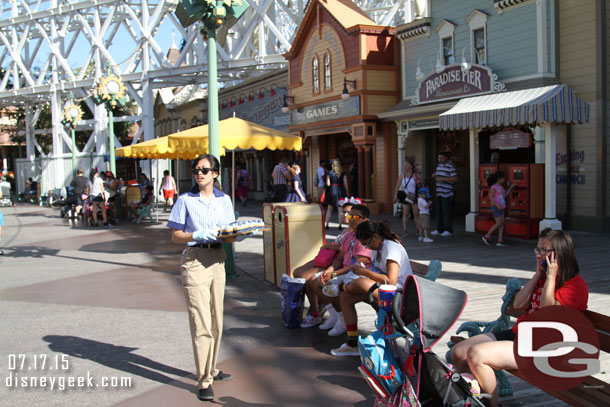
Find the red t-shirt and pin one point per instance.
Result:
(574, 293)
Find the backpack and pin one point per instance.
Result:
(379, 368)
(293, 301)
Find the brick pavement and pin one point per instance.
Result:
(110, 299)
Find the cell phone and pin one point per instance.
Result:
(543, 264)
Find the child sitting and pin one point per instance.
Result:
(424, 203)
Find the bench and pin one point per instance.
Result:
(592, 392)
(429, 272)
(144, 212)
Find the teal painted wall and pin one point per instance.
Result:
(511, 39)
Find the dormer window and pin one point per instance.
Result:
(316, 74)
(477, 21)
(446, 52)
(327, 80)
(448, 57)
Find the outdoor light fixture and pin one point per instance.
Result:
(345, 93)
(419, 75)
(287, 99)
(110, 91)
(465, 65)
(72, 114)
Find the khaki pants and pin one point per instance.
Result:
(203, 279)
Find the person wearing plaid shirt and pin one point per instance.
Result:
(281, 179)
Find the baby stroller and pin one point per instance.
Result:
(6, 199)
(429, 310)
(89, 212)
(68, 209)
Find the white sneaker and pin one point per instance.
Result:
(331, 290)
(420, 238)
(345, 350)
(427, 240)
(339, 328)
(435, 233)
(310, 321)
(446, 233)
(331, 321)
(325, 308)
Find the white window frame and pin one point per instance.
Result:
(315, 74)
(328, 82)
(478, 20)
(446, 29)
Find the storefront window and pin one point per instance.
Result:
(327, 71)
(479, 45)
(316, 75)
(448, 51)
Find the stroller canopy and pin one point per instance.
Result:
(436, 306)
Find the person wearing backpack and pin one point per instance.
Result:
(406, 194)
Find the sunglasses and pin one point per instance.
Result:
(543, 252)
(354, 217)
(204, 171)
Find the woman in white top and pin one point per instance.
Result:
(406, 193)
(98, 197)
(389, 265)
(168, 189)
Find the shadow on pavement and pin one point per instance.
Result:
(117, 357)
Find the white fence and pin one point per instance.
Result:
(56, 172)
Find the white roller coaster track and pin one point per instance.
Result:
(51, 48)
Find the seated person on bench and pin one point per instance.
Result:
(309, 270)
(390, 265)
(146, 200)
(31, 189)
(352, 251)
(555, 282)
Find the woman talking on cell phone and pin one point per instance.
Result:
(555, 282)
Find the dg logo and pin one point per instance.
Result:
(556, 348)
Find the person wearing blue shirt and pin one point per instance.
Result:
(196, 219)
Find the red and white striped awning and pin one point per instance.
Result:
(556, 104)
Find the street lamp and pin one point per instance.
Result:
(110, 91)
(345, 93)
(72, 114)
(213, 14)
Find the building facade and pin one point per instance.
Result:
(258, 100)
(343, 71)
(509, 85)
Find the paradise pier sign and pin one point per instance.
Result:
(456, 82)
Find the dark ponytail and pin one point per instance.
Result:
(367, 228)
(493, 178)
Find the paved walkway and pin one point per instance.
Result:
(110, 300)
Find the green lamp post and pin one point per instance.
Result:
(110, 91)
(213, 14)
(72, 114)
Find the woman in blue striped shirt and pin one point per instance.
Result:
(196, 219)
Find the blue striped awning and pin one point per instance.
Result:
(556, 104)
